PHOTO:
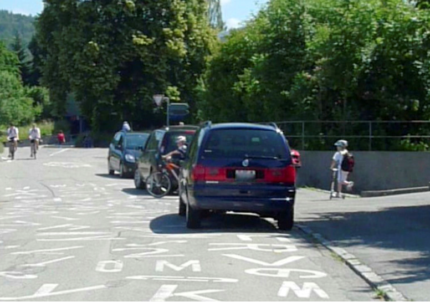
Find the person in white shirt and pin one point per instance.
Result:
(342, 176)
(126, 127)
(34, 136)
(13, 136)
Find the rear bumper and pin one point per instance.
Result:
(256, 200)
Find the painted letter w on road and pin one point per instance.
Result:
(195, 266)
(304, 292)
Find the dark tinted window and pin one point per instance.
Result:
(135, 141)
(169, 141)
(154, 140)
(239, 143)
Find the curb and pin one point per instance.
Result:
(366, 273)
(328, 192)
(395, 192)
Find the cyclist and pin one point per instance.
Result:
(13, 136)
(34, 136)
(181, 142)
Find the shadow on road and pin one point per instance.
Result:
(212, 223)
(135, 192)
(108, 176)
(398, 231)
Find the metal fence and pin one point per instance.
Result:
(361, 135)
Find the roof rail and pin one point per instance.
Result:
(272, 124)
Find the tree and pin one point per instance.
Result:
(24, 62)
(12, 24)
(114, 55)
(15, 105)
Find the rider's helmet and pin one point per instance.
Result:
(341, 143)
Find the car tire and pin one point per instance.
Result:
(138, 182)
(193, 218)
(111, 172)
(122, 174)
(182, 207)
(286, 220)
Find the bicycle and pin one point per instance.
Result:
(34, 148)
(159, 183)
(12, 148)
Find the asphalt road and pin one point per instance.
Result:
(69, 231)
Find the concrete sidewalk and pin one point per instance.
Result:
(388, 234)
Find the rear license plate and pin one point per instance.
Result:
(245, 175)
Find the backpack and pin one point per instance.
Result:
(348, 163)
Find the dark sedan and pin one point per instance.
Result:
(124, 150)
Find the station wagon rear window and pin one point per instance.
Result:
(240, 143)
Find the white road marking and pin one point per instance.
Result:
(46, 292)
(17, 275)
(277, 263)
(45, 289)
(57, 199)
(66, 218)
(195, 266)
(275, 248)
(117, 266)
(304, 292)
(58, 152)
(82, 239)
(7, 231)
(48, 250)
(285, 273)
(73, 233)
(70, 226)
(184, 279)
(167, 291)
(41, 264)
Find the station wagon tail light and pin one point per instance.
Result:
(280, 175)
(202, 173)
(198, 173)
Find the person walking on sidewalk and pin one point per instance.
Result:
(343, 162)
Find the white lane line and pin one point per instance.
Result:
(45, 289)
(58, 152)
(41, 264)
(48, 250)
(72, 233)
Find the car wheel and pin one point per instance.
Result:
(111, 172)
(121, 171)
(182, 207)
(138, 183)
(193, 218)
(286, 220)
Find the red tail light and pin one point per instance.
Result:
(201, 173)
(280, 175)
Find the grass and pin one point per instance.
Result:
(380, 294)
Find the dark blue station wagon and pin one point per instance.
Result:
(238, 167)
